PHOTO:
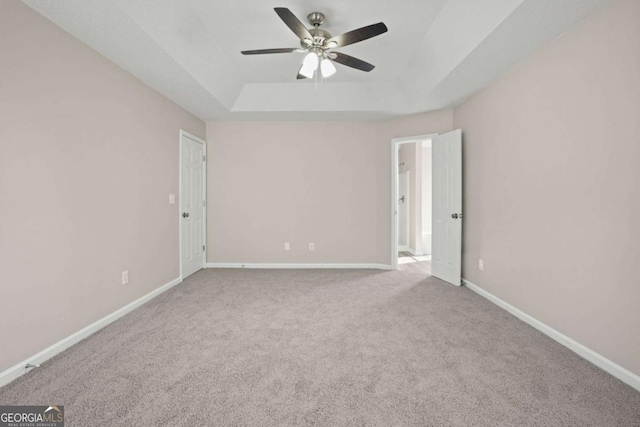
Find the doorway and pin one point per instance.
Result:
(413, 202)
(192, 204)
(433, 165)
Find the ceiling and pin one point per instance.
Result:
(435, 54)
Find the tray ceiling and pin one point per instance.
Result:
(436, 53)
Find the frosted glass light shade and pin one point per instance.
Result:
(327, 68)
(309, 65)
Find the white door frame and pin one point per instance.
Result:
(395, 146)
(407, 202)
(186, 134)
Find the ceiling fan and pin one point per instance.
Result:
(319, 44)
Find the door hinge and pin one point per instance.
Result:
(204, 158)
(203, 248)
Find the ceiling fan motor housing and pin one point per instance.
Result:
(316, 18)
(319, 36)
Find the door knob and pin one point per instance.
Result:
(456, 216)
(185, 215)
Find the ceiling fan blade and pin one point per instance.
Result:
(358, 35)
(350, 61)
(265, 51)
(293, 23)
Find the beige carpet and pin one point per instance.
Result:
(327, 348)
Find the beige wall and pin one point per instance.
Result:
(296, 182)
(88, 157)
(552, 194)
(301, 182)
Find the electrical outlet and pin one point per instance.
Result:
(125, 277)
(172, 199)
(481, 264)
(287, 246)
(312, 246)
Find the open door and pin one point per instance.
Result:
(446, 262)
(192, 204)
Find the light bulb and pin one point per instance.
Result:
(327, 68)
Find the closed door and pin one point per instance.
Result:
(403, 210)
(446, 263)
(192, 205)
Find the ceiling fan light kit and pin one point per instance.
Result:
(309, 65)
(318, 43)
(327, 68)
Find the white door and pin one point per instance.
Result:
(403, 210)
(192, 205)
(446, 262)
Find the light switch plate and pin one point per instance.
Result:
(287, 246)
(172, 199)
(125, 277)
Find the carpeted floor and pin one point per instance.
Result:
(327, 348)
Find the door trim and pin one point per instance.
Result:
(395, 145)
(408, 206)
(185, 134)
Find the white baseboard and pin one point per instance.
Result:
(296, 265)
(600, 361)
(410, 250)
(20, 369)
